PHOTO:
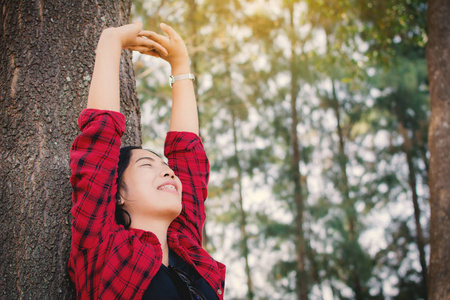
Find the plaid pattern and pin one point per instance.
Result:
(107, 261)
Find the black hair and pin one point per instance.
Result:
(122, 216)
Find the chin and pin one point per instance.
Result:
(178, 211)
(174, 212)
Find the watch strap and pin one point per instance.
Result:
(176, 78)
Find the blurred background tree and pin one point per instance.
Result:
(315, 117)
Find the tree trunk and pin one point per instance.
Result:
(420, 240)
(438, 59)
(348, 203)
(301, 277)
(191, 15)
(243, 218)
(47, 56)
(302, 292)
(193, 35)
(233, 107)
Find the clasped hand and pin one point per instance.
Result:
(170, 48)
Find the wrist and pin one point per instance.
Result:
(176, 78)
(110, 35)
(180, 67)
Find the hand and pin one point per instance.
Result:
(177, 52)
(130, 39)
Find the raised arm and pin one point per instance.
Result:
(184, 115)
(95, 152)
(104, 92)
(183, 146)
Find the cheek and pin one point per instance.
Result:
(138, 184)
(179, 183)
(181, 188)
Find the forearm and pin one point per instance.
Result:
(93, 157)
(104, 92)
(184, 115)
(187, 157)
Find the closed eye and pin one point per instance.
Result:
(145, 159)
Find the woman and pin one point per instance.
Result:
(155, 252)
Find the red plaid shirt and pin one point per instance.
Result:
(108, 261)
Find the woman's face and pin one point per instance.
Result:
(151, 189)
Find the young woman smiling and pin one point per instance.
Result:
(137, 221)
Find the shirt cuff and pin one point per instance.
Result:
(90, 114)
(181, 141)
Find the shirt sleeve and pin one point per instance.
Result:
(188, 160)
(93, 159)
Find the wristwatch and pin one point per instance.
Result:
(173, 79)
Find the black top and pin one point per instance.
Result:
(178, 281)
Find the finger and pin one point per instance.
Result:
(152, 53)
(160, 39)
(145, 49)
(137, 48)
(169, 30)
(152, 45)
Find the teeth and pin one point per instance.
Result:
(167, 187)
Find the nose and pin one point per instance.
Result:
(168, 173)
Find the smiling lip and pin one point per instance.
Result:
(169, 187)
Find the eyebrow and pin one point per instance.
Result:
(149, 158)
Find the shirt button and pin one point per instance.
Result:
(219, 291)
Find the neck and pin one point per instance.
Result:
(159, 228)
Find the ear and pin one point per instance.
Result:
(120, 199)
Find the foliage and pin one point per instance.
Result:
(357, 72)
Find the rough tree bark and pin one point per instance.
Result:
(438, 59)
(46, 60)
